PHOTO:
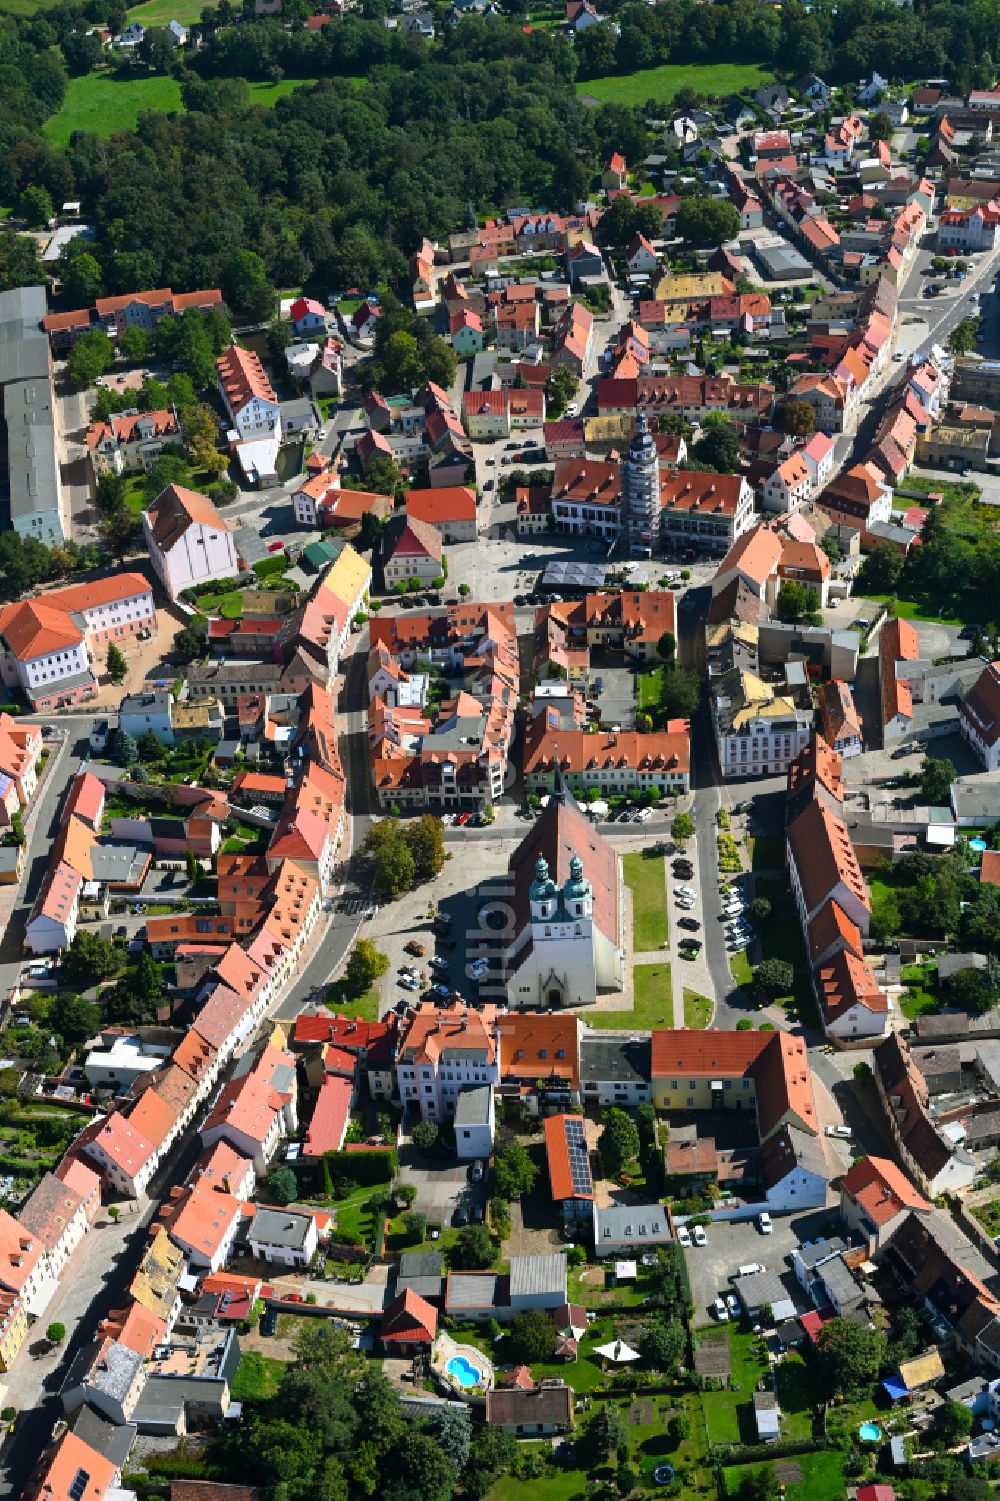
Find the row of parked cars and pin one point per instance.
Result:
(685, 898)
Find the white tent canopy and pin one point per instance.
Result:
(618, 1351)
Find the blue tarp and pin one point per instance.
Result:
(896, 1387)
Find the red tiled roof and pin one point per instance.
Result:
(569, 1169)
(879, 1188)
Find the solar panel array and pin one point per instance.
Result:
(579, 1157)
(78, 1489)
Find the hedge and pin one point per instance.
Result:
(366, 1168)
(743, 1454)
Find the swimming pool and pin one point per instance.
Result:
(870, 1433)
(463, 1372)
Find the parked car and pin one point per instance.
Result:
(683, 1236)
(689, 948)
(275, 546)
(721, 1311)
(460, 1216)
(686, 891)
(733, 1304)
(691, 923)
(444, 991)
(698, 1235)
(843, 1132)
(764, 1223)
(476, 1172)
(415, 947)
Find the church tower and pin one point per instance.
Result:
(641, 487)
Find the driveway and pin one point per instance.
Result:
(441, 1186)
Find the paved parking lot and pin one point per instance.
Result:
(733, 1244)
(441, 1187)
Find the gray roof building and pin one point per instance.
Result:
(540, 1407)
(841, 1288)
(112, 1440)
(625, 1060)
(636, 1225)
(473, 1290)
(281, 1227)
(760, 1288)
(532, 1277)
(473, 1106)
(420, 1272)
(26, 381)
(104, 1366)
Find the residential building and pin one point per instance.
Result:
(744, 1071)
(701, 514)
(898, 645)
(927, 1153)
(409, 1325)
(614, 1070)
(204, 1222)
(412, 549)
(979, 716)
(822, 865)
(629, 1230)
(852, 1006)
(284, 1237)
(189, 541)
(450, 509)
(540, 1059)
(48, 642)
(128, 442)
(475, 1122)
(570, 1182)
(839, 717)
(443, 1051)
(614, 761)
(534, 1413)
(486, 414)
(875, 1199)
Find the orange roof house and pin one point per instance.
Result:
(774, 1064)
(408, 1322)
(568, 1159)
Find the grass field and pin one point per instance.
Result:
(363, 1010)
(822, 1477)
(267, 93)
(723, 1409)
(740, 966)
(256, 1376)
(715, 79)
(650, 688)
(644, 877)
(102, 104)
(909, 609)
(767, 852)
(159, 12)
(654, 1001)
(697, 1010)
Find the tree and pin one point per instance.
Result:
(123, 748)
(791, 602)
(954, 1422)
(796, 418)
(425, 840)
(682, 827)
(679, 1428)
(760, 909)
(667, 646)
(474, 1250)
(560, 388)
(619, 1141)
(394, 868)
(970, 990)
(117, 664)
(963, 336)
(119, 530)
(662, 1346)
(283, 1186)
(532, 1336)
(55, 1333)
(936, 777)
(82, 279)
(425, 1135)
(133, 344)
(606, 1434)
(110, 494)
(886, 919)
(245, 286)
(494, 1453)
(451, 1429)
(719, 446)
(366, 965)
(514, 1172)
(19, 262)
(415, 1225)
(35, 206)
(156, 50)
(704, 221)
(81, 53)
(851, 1356)
(881, 570)
(73, 1018)
(681, 693)
(92, 355)
(879, 126)
(89, 960)
(774, 976)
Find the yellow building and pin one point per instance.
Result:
(13, 1326)
(762, 1072)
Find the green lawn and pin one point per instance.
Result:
(256, 1376)
(697, 1010)
(723, 1409)
(269, 93)
(649, 686)
(159, 12)
(920, 994)
(909, 609)
(645, 878)
(740, 966)
(718, 80)
(781, 938)
(653, 1005)
(822, 1477)
(103, 104)
(365, 1009)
